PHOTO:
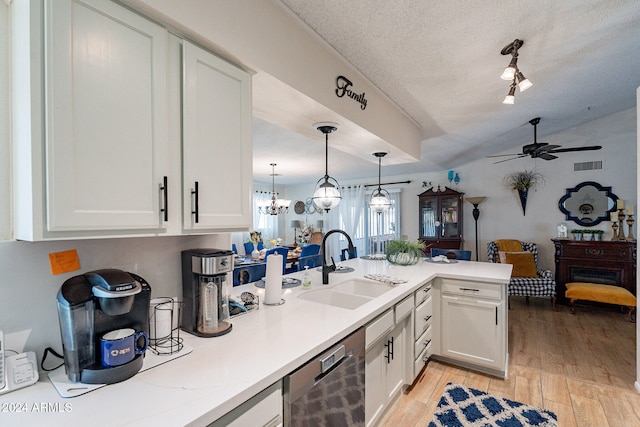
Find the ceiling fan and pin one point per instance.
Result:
(542, 150)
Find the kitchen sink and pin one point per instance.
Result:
(335, 298)
(365, 288)
(350, 294)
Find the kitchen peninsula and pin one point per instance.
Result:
(222, 373)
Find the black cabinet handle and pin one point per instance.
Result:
(496, 316)
(426, 319)
(426, 343)
(194, 192)
(469, 289)
(165, 199)
(392, 348)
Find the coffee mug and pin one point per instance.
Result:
(121, 346)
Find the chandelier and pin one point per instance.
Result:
(273, 206)
(327, 194)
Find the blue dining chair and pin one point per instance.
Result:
(278, 250)
(311, 261)
(234, 248)
(248, 273)
(345, 252)
(452, 253)
(310, 249)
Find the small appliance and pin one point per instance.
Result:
(205, 291)
(90, 306)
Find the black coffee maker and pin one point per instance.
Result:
(89, 306)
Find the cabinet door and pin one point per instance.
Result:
(375, 388)
(217, 148)
(471, 331)
(429, 218)
(106, 127)
(449, 217)
(396, 360)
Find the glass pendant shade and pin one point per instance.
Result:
(380, 199)
(523, 82)
(510, 98)
(327, 194)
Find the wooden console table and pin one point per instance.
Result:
(609, 263)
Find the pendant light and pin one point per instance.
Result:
(513, 73)
(327, 193)
(380, 199)
(276, 206)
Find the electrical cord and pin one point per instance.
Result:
(44, 357)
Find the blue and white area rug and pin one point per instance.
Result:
(462, 406)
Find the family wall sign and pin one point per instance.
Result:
(344, 88)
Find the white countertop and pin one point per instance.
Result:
(223, 372)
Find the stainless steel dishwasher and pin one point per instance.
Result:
(328, 390)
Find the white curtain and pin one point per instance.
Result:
(346, 217)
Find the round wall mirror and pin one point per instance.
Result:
(588, 203)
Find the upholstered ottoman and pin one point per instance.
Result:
(600, 293)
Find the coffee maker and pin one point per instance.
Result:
(89, 306)
(205, 291)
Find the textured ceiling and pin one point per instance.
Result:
(440, 62)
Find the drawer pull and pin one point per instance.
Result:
(426, 319)
(426, 343)
(469, 289)
(427, 289)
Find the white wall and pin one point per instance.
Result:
(28, 310)
(500, 214)
(5, 153)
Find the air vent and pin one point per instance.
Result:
(587, 166)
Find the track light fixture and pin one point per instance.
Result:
(380, 199)
(513, 73)
(327, 194)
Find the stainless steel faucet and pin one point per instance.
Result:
(326, 269)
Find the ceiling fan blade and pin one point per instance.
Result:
(566, 150)
(513, 158)
(547, 156)
(503, 155)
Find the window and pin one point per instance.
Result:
(378, 229)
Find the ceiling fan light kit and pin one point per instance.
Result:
(327, 193)
(513, 73)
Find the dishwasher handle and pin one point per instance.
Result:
(332, 359)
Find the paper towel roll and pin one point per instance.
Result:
(273, 279)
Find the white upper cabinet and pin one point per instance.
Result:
(217, 146)
(101, 117)
(100, 164)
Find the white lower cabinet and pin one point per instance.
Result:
(388, 357)
(262, 410)
(473, 325)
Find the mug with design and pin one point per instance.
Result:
(121, 346)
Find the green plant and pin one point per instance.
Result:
(523, 180)
(598, 231)
(576, 231)
(404, 252)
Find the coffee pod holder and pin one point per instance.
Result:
(164, 326)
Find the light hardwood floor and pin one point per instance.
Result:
(582, 367)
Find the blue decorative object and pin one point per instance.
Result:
(450, 176)
(463, 406)
(456, 179)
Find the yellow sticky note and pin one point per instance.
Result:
(64, 262)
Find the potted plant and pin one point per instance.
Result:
(597, 234)
(587, 234)
(404, 252)
(577, 234)
(523, 181)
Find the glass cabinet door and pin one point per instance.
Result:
(428, 211)
(449, 216)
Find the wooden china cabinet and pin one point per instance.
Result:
(440, 216)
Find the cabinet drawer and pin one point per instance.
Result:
(421, 360)
(424, 314)
(423, 341)
(263, 409)
(472, 289)
(403, 308)
(423, 293)
(377, 328)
